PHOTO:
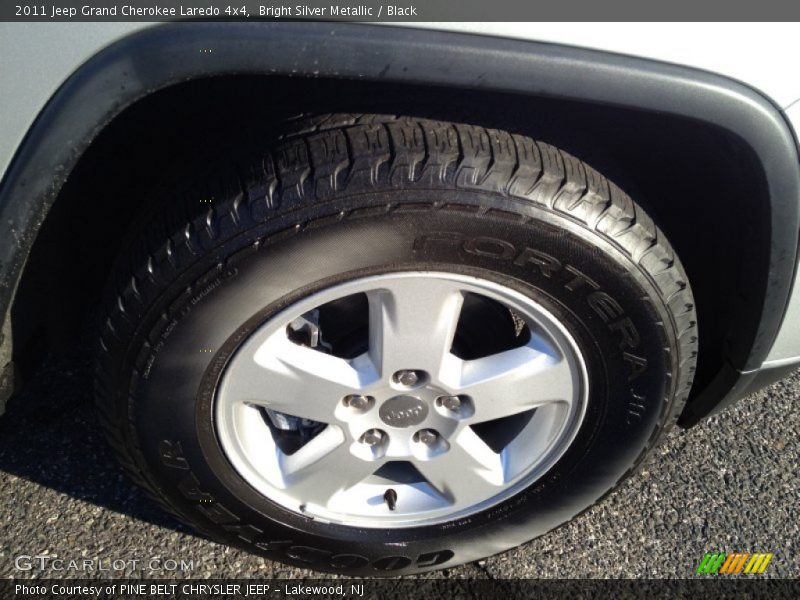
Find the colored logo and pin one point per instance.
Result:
(720, 563)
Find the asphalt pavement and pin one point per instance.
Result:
(731, 484)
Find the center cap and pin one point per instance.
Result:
(403, 411)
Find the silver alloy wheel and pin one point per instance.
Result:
(407, 400)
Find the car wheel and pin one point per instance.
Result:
(388, 345)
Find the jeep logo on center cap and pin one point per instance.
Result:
(403, 411)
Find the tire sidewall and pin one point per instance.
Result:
(608, 304)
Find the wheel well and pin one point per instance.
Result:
(702, 185)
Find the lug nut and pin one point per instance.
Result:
(407, 378)
(372, 437)
(358, 402)
(449, 402)
(427, 436)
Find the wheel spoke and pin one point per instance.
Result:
(323, 467)
(412, 324)
(468, 472)
(514, 381)
(296, 380)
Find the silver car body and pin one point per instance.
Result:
(766, 63)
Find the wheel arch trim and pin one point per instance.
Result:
(157, 57)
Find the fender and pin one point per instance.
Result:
(167, 54)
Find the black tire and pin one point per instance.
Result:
(343, 194)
